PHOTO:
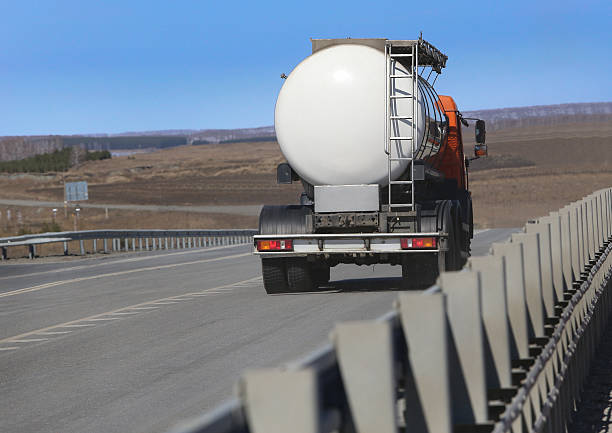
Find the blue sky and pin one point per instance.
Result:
(69, 67)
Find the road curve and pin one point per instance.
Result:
(139, 341)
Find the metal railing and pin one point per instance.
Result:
(128, 240)
(503, 345)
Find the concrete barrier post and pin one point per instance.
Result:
(464, 315)
(516, 297)
(542, 229)
(427, 387)
(280, 401)
(556, 253)
(567, 247)
(577, 257)
(533, 280)
(492, 273)
(365, 356)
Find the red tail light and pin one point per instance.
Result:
(417, 243)
(275, 245)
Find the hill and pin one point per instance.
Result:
(497, 119)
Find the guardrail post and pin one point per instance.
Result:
(427, 383)
(567, 247)
(147, 244)
(591, 226)
(140, 244)
(464, 314)
(4, 253)
(133, 244)
(126, 244)
(492, 272)
(280, 401)
(82, 247)
(575, 241)
(557, 253)
(189, 242)
(95, 246)
(533, 280)
(548, 295)
(105, 243)
(65, 248)
(516, 297)
(183, 242)
(153, 244)
(172, 243)
(31, 251)
(365, 357)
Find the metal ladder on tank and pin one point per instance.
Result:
(393, 118)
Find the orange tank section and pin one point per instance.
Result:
(450, 160)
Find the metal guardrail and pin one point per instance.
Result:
(503, 345)
(126, 240)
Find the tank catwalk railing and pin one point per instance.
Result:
(93, 241)
(504, 345)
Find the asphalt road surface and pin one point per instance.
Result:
(140, 341)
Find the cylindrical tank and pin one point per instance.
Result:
(330, 118)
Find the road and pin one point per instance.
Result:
(139, 341)
(248, 210)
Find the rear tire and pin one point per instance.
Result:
(285, 275)
(300, 275)
(274, 273)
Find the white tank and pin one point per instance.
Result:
(330, 118)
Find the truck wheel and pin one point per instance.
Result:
(274, 273)
(300, 275)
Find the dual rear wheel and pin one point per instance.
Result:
(292, 274)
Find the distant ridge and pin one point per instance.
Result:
(499, 118)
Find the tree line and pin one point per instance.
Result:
(59, 160)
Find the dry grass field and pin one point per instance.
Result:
(530, 171)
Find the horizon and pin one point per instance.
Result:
(191, 130)
(141, 66)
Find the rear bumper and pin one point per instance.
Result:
(362, 244)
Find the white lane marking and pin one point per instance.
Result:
(101, 319)
(53, 332)
(144, 308)
(115, 274)
(479, 231)
(142, 305)
(75, 325)
(166, 303)
(9, 348)
(113, 262)
(127, 313)
(29, 340)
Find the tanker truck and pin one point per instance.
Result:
(380, 157)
